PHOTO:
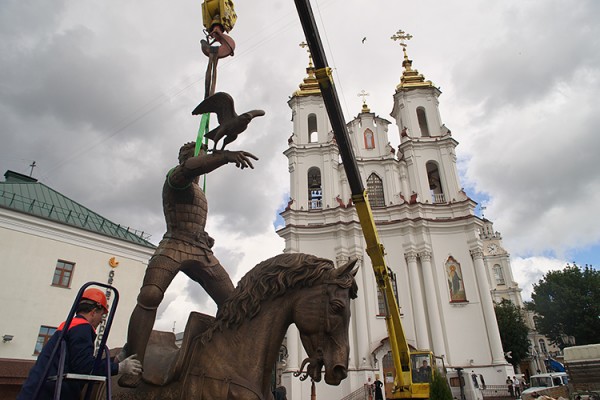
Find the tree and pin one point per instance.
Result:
(567, 302)
(439, 389)
(513, 331)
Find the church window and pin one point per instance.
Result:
(313, 136)
(422, 118)
(369, 139)
(315, 191)
(543, 348)
(435, 184)
(381, 297)
(375, 189)
(44, 335)
(498, 274)
(456, 283)
(63, 274)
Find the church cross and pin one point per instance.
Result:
(401, 36)
(304, 45)
(363, 94)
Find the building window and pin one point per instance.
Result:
(435, 184)
(313, 136)
(45, 334)
(315, 192)
(375, 189)
(380, 296)
(63, 274)
(422, 117)
(498, 274)
(543, 348)
(369, 139)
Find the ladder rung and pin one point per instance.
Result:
(81, 377)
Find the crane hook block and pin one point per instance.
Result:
(218, 12)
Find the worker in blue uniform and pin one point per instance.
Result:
(79, 340)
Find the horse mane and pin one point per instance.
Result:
(268, 280)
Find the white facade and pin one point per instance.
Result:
(425, 221)
(30, 248)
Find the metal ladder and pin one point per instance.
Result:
(62, 347)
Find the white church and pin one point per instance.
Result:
(448, 265)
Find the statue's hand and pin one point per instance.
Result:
(240, 158)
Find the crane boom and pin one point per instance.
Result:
(375, 250)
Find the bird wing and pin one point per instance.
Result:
(219, 103)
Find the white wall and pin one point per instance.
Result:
(30, 248)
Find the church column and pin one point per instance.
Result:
(435, 325)
(362, 339)
(489, 314)
(417, 301)
(404, 184)
(292, 363)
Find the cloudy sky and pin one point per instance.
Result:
(100, 95)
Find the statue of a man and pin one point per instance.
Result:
(185, 247)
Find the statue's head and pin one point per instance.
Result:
(187, 151)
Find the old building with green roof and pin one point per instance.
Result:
(50, 246)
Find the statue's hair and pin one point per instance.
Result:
(270, 279)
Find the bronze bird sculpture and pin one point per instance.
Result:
(230, 124)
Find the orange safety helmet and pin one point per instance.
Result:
(97, 296)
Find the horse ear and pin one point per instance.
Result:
(347, 268)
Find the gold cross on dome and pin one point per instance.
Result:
(401, 36)
(304, 45)
(363, 94)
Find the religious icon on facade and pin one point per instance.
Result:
(455, 280)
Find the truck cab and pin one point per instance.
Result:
(544, 384)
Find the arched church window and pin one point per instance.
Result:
(498, 274)
(369, 139)
(380, 295)
(375, 189)
(315, 191)
(435, 183)
(422, 118)
(313, 136)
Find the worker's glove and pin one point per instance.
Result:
(130, 366)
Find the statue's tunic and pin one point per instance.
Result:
(185, 212)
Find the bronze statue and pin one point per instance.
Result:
(233, 358)
(185, 247)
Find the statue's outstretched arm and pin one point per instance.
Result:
(205, 163)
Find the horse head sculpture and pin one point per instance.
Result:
(322, 316)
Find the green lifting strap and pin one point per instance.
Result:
(202, 129)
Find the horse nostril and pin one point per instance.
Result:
(340, 372)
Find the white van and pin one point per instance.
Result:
(471, 385)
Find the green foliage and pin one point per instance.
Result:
(568, 302)
(513, 331)
(439, 389)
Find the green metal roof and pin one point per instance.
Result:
(25, 194)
